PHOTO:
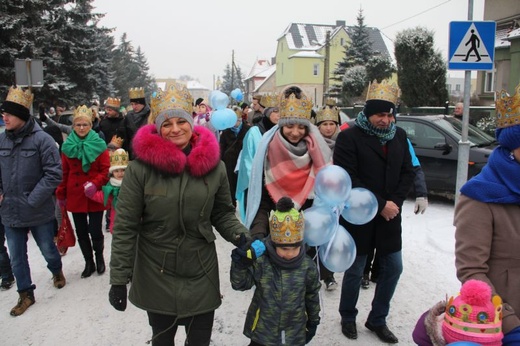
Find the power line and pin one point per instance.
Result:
(415, 15)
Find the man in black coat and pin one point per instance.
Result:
(375, 154)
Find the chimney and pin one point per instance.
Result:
(340, 23)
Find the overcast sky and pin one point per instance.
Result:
(197, 38)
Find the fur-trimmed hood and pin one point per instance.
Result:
(150, 148)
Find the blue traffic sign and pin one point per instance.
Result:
(472, 45)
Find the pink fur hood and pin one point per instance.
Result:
(150, 148)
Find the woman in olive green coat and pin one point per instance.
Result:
(163, 242)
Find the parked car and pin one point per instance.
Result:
(435, 140)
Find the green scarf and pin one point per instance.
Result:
(384, 135)
(85, 149)
(108, 190)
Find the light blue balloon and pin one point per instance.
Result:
(317, 202)
(332, 185)
(235, 93)
(361, 206)
(463, 343)
(320, 223)
(219, 100)
(339, 253)
(240, 97)
(222, 119)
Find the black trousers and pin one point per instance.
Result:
(164, 327)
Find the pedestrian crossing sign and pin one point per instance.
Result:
(472, 45)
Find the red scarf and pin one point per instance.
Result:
(290, 170)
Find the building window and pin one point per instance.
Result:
(448, 86)
(457, 87)
(315, 69)
(489, 82)
(342, 42)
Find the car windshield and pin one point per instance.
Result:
(476, 136)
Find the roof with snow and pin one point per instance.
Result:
(311, 37)
(258, 68)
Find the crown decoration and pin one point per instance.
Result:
(113, 102)
(508, 108)
(270, 100)
(117, 141)
(296, 107)
(474, 312)
(119, 157)
(82, 111)
(23, 98)
(176, 96)
(286, 229)
(328, 113)
(383, 91)
(136, 93)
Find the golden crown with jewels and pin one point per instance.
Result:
(388, 91)
(508, 108)
(176, 96)
(286, 228)
(270, 100)
(119, 157)
(293, 107)
(329, 112)
(136, 93)
(82, 112)
(23, 98)
(113, 102)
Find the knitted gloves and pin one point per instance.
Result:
(117, 297)
(90, 189)
(247, 251)
(421, 203)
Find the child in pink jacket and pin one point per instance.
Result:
(108, 193)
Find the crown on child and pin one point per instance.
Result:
(176, 96)
(270, 100)
(82, 111)
(293, 107)
(117, 141)
(508, 108)
(113, 102)
(136, 93)
(23, 98)
(388, 91)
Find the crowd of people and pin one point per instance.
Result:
(167, 180)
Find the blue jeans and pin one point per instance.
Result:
(17, 242)
(5, 262)
(390, 269)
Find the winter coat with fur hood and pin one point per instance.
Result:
(163, 237)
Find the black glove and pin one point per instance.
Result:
(117, 297)
(310, 331)
(41, 111)
(247, 251)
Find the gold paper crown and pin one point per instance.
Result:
(136, 93)
(113, 102)
(176, 96)
(286, 229)
(23, 98)
(328, 113)
(270, 100)
(292, 107)
(383, 91)
(119, 158)
(508, 108)
(83, 112)
(117, 141)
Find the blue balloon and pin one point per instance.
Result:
(463, 343)
(361, 206)
(235, 92)
(222, 119)
(240, 97)
(317, 202)
(339, 253)
(219, 100)
(320, 223)
(332, 185)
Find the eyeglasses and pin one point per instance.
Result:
(81, 125)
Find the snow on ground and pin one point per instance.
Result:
(79, 314)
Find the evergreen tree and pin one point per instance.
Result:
(421, 70)
(144, 80)
(232, 79)
(379, 67)
(126, 69)
(357, 54)
(354, 83)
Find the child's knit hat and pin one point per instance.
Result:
(286, 224)
(118, 160)
(474, 315)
